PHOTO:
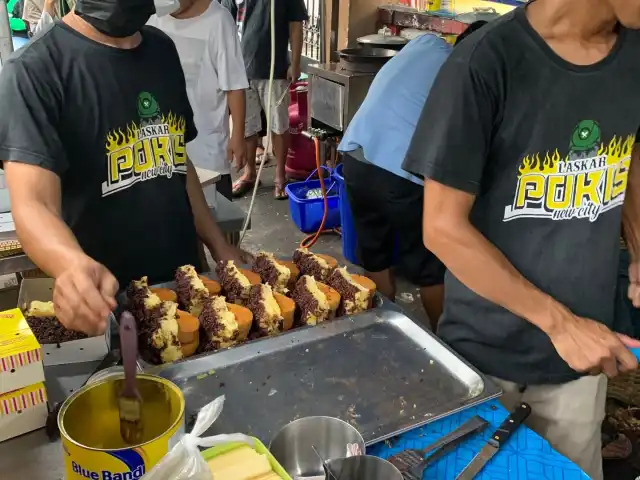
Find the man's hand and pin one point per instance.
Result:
(84, 296)
(238, 151)
(634, 283)
(50, 7)
(237, 255)
(293, 74)
(590, 347)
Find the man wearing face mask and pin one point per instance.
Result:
(94, 152)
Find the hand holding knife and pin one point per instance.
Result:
(497, 440)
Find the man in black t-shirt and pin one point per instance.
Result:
(254, 26)
(525, 143)
(92, 135)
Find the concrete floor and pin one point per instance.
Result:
(273, 230)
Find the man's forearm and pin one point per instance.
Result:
(631, 208)
(208, 230)
(45, 238)
(479, 265)
(237, 106)
(295, 37)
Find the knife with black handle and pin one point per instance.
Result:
(497, 440)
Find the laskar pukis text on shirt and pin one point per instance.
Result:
(589, 181)
(151, 148)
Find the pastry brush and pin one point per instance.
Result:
(130, 401)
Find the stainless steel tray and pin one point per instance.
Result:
(378, 370)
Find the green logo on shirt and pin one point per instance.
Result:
(148, 107)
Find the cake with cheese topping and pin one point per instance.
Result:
(191, 290)
(318, 266)
(220, 326)
(311, 301)
(157, 324)
(235, 284)
(267, 316)
(355, 297)
(272, 272)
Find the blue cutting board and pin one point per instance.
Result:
(526, 456)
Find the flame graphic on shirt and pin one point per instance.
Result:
(140, 152)
(585, 183)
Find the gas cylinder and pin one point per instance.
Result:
(301, 159)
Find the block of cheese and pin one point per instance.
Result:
(242, 463)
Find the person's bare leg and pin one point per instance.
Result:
(249, 173)
(280, 148)
(433, 303)
(385, 283)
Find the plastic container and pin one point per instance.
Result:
(307, 213)
(259, 447)
(349, 237)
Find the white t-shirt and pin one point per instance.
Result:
(212, 61)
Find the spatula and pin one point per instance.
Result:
(130, 401)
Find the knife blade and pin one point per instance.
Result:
(497, 440)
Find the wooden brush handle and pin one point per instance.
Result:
(129, 347)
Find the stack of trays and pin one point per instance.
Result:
(23, 398)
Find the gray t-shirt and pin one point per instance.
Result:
(545, 147)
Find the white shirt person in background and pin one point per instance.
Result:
(207, 41)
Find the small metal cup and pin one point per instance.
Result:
(363, 467)
(293, 445)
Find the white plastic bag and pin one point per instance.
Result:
(184, 461)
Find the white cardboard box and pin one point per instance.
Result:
(76, 351)
(23, 411)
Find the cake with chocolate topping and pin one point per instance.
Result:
(311, 301)
(41, 317)
(272, 272)
(191, 290)
(157, 324)
(318, 266)
(355, 297)
(267, 316)
(235, 284)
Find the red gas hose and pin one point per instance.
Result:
(310, 240)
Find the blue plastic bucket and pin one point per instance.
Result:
(349, 237)
(307, 213)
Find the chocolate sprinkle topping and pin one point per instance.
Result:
(48, 330)
(268, 272)
(233, 289)
(307, 304)
(211, 329)
(263, 324)
(346, 290)
(309, 265)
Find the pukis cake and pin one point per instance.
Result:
(165, 294)
(318, 266)
(272, 272)
(41, 318)
(267, 316)
(333, 298)
(287, 309)
(295, 272)
(311, 301)
(223, 324)
(355, 297)
(191, 291)
(236, 282)
(157, 324)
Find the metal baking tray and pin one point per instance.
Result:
(379, 371)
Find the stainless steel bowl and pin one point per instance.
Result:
(363, 467)
(293, 445)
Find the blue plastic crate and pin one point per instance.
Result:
(307, 213)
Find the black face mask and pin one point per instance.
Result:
(116, 18)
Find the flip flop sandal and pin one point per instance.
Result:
(279, 192)
(242, 187)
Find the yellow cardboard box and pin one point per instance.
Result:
(23, 411)
(20, 353)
